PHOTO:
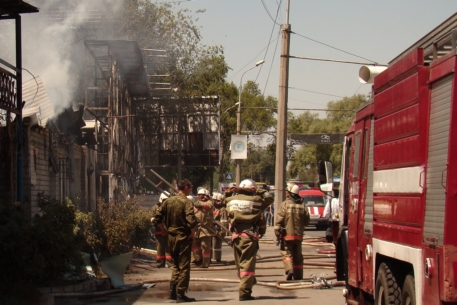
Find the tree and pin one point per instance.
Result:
(255, 120)
(339, 118)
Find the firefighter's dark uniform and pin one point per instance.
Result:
(247, 220)
(177, 214)
(294, 216)
(161, 242)
(201, 247)
(220, 214)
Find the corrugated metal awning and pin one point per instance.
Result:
(37, 101)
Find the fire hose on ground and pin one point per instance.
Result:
(307, 283)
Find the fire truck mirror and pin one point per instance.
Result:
(325, 172)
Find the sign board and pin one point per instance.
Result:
(238, 146)
(303, 139)
(228, 176)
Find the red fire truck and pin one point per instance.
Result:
(397, 239)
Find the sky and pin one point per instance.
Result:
(249, 31)
(374, 31)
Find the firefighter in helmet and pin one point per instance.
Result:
(292, 218)
(201, 248)
(160, 236)
(219, 214)
(245, 206)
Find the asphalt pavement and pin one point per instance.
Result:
(219, 282)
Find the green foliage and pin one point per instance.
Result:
(36, 252)
(115, 228)
(339, 118)
(256, 120)
(260, 164)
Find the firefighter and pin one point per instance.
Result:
(201, 247)
(293, 216)
(331, 212)
(160, 236)
(177, 215)
(245, 206)
(219, 214)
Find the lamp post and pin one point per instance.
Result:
(238, 121)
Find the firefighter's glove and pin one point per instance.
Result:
(277, 232)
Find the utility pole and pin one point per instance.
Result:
(281, 132)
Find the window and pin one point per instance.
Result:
(355, 172)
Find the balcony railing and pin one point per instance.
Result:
(8, 99)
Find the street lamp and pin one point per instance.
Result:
(238, 121)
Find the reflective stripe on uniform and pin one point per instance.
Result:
(298, 266)
(235, 235)
(241, 205)
(293, 237)
(247, 273)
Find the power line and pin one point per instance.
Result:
(271, 66)
(231, 77)
(316, 92)
(268, 47)
(333, 47)
(268, 12)
(339, 61)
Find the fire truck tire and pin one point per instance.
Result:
(387, 290)
(408, 293)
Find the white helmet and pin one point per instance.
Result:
(247, 183)
(292, 188)
(164, 196)
(203, 191)
(217, 196)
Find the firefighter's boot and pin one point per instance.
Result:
(172, 292)
(290, 275)
(182, 298)
(247, 297)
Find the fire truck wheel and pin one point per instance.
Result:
(387, 290)
(408, 293)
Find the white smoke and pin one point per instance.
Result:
(53, 42)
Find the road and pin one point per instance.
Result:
(208, 286)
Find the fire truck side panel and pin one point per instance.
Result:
(411, 255)
(365, 204)
(442, 111)
(436, 180)
(400, 124)
(450, 236)
(408, 62)
(399, 162)
(399, 96)
(430, 291)
(405, 216)
(353, 211)
(397, 153)
(368, 215)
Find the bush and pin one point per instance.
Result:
(36, 252)
(115, 228)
